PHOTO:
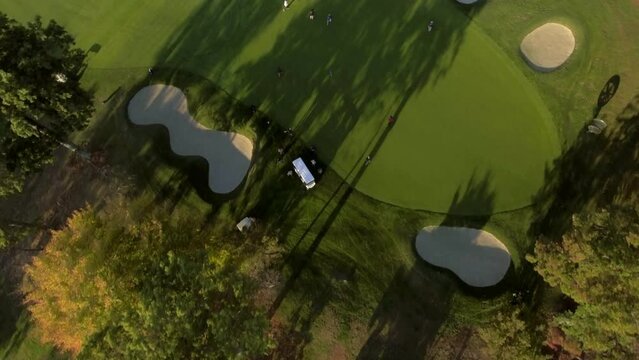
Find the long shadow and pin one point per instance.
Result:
(596, 170)
(607, 93)
(409, 315)
(309, 306)
(348, 189)
(334, 77)
(477, 193)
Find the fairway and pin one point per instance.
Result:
(473, 135)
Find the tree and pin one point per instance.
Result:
(113, 285)
(42, 101)
(596, 265)
(185, 309)
(507, 337)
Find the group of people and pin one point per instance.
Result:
(329, 20)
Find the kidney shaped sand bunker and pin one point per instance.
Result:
(476, 256)
(548, 47)
(228, 154)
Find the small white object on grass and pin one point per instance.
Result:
(245, 224)
(599, 123)
(59, 77)
(594, 129)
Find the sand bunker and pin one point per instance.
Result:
(548, 47)
(228, 154)
(476, 256)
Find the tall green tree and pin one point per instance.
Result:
(596, 265)
(113, 285)
(42, 101)
(508, 338)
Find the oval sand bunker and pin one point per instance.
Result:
(476, 256)
(548, 46)
(228, 154)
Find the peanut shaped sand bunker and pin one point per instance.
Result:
(476, 256)
(228, 154)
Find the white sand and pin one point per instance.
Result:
(476, 256)
(548, 47)
(228, 154)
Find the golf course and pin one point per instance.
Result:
(467, 115)
(446, 140)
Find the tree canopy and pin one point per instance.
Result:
(596, 265)
(113, 286)
(42, 101)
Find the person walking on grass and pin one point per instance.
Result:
(311, 14)
(368, 160)
(430, 25)
(329, 19)
(286, 4)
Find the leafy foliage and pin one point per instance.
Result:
(596, 265)
(507, 337)
(42, 102)
(114, 286)
(67, 296)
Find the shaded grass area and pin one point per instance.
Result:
(347, 254)
(464, 110)
(17, 337)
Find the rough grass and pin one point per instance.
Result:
(467, 117)
(342, 260)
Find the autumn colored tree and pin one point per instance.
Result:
(42, 101)
(114, 285)
(66, 294)
(596, 265)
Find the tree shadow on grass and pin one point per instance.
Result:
(145, 152)
(475, 197)
(321, 288)
(409, 315)
(596, 170)
(373, 57)
(9, 314)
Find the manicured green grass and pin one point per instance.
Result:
(606, 34)
(473, 118)
(348, 266)
(467, 117)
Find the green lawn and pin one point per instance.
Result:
(476, 131)
(328, 234)
(468, 117)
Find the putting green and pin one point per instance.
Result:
(472, 137)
